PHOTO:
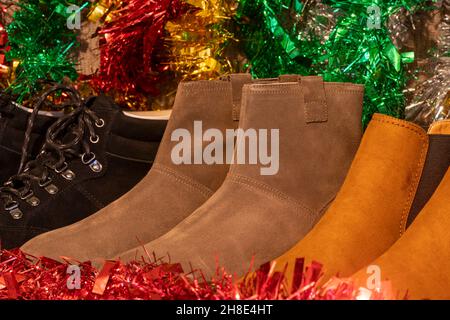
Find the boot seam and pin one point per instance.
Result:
(90, 197)
(10, 150)
(400, 123)
(256, 185)
(436, 124)
(327, 204)
(419, 166)
(21, 228)
(187, 181)
(290, 87)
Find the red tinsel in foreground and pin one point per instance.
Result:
(24, 277)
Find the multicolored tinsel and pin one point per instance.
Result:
(430, 94)
(272, 37)
(352, 44)
(197, 40)
(24, 277)
(130, 66)
(42, 44)
(6, 68)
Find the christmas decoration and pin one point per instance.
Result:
(5, 66)
(148, 47)
(430, 94)
(42, 43)
(25, 277)
(431, 98)
(198, 38)
(130, 69)
(354, 45)
(282, 37)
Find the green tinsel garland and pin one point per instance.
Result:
(41, 42)
(333, 38)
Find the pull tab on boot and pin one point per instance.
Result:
(238, 80)
(314, 99)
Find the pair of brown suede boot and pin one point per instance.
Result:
(213, 214)
(391, 218)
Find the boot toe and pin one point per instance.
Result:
(57, 244)
(43, 246)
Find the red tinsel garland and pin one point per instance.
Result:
(28, 278)
(128, 69)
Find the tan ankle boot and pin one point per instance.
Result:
(259, 216)
(418, 264)
(395, 171)
(168, 194)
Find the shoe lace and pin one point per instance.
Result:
(66, 139)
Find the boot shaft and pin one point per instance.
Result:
(436, 164)
(200, 106)
(319, 128)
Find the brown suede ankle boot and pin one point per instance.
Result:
(263, 209)
(418, 264)
(169, 193)
(395, 171)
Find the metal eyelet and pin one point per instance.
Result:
(63, 167)
(14, 211)
(87, 160)
(100, 123)
(52, 189)
(45, 183)
(33, 201)
(16, 214)
(96, 166)
(94, 139)
(11, 205)
(27, 195)
(68, 175)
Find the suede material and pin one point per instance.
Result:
(210, 102)
(440, 127)
(435, 167)
(370, 211)
(12, 133)
(246, 216)
(418, 263)
(89, 191)
(167, 195)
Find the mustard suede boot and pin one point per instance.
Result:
(395, 172)
(418, 264)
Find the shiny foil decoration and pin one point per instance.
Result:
(355, 46)
(431, 98)
(443, 44)
(430, 93)
(198, 38)
(282, 36)
(130, 50)
(41, 44)
(24, 277)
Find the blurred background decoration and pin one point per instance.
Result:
(138, 50)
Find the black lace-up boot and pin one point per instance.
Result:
(13, 124)
(90, 158)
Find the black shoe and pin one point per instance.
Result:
(90, 158)
(13, 125)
